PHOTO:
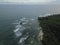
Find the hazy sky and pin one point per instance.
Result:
(30, 1)
(27, 0)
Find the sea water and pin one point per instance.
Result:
(17, 22)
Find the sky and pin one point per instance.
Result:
(30, 1)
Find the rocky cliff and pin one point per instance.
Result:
(51, 29)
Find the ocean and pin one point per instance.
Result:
(18, 22)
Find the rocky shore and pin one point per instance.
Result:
(50, 29)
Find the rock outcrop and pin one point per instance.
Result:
(51, 29)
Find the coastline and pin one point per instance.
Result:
(50, 28)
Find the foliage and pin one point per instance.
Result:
(51, 29)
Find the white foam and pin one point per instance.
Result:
(22, 28)
(32, 19)
(23, 19)
(16, 30)
(18, 34)
(18, 26)
(24, 23)
(22, 39)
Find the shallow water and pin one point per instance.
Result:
(23, 29)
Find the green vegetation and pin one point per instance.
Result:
(51, 29)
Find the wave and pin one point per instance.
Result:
(22, 39)
(16, 30)
(20, 26)
(18, 34)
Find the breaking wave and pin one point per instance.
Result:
(20, 26)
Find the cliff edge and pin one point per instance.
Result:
(51, 29)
